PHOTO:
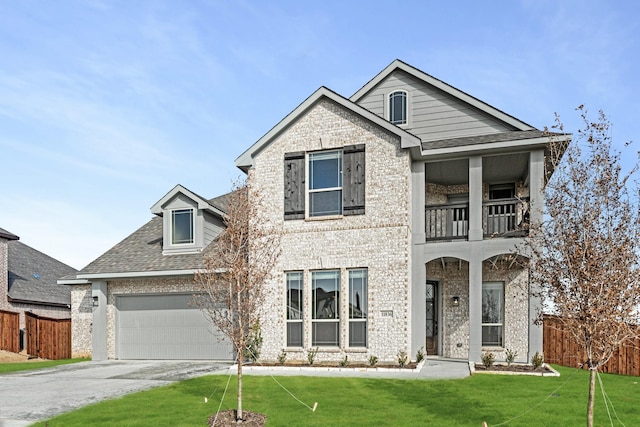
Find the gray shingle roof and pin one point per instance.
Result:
(33, 276)
(142, 252)
(483, 139)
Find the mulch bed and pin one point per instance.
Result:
(294, 364)
(228, 418)
(513, 368)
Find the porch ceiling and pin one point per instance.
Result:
(495, 169)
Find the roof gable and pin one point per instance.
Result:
(245, 160)
(178, 190)
(441, 86)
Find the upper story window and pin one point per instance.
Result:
(325, 183)
(182, 228)
(398, 107)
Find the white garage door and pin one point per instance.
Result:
(166, 326)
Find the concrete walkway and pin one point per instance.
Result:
(433, 368)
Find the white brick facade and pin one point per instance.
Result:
(378, 240)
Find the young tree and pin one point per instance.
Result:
(237, 267)
(585, 250)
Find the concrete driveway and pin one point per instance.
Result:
(30, 396)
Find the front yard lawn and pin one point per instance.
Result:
(496, 399)
(25, 366)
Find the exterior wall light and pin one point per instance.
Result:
(95, 301)
(455, 301)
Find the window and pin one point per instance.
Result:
(492, 314)
(294, 309)
(502, 191)
(181, 226)
(336, 183)
(325, 315)
(325, 183)
(398, 107)
(358, 308)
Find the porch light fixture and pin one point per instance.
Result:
(95, 301)
(455, 301)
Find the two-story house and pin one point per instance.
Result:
(401, 208)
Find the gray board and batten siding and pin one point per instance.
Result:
(433, 114)
(166, 327)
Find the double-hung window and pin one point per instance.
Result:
(182, 226)
(334, 184)
(294, 309)
(325, 298)
(398, 107)
(325, 183)
(492, 314)
(358, 308)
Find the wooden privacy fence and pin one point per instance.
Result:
(48, 338)
(9, 331)
(560, 348)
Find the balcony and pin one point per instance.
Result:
(500, 218)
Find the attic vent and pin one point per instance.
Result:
(36, 275)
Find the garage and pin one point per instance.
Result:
(166, 326)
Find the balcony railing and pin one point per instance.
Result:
(500, 218)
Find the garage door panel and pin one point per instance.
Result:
(166, 327)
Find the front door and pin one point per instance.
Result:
(432, 318)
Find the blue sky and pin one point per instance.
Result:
(106, 105)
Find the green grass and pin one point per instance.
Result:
(374, 402)
(26, 366)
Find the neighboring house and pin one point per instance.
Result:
(28, 281)
(401, 209)
(136, 300)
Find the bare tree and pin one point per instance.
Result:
(585, 250)
(236, 270)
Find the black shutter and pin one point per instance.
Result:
(353, 180)
(294, 185)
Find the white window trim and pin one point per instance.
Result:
(503, 315)
(339, 319)
(349, 302)
(387, 110)
(193, 227)
(308, 190)
(302, 311)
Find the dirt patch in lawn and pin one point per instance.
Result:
(9, 357)
(228, 418)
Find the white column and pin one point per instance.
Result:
(99, 327)
(536, 193)
(475, 302)
(475, 198)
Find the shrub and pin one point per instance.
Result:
(487, 359)
(344, 362)
(282, 357)
(510, 356)
(311, 355)
(402, 358)
(420, 355)
(537, 360)
(373, 360)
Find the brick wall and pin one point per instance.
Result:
(454, 281)
(378, 240)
